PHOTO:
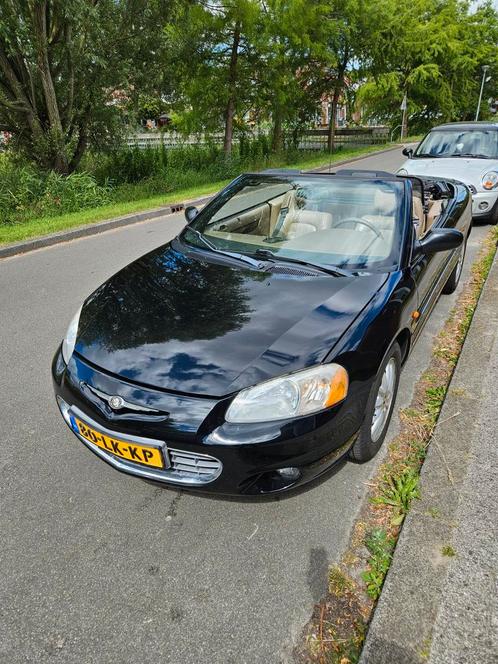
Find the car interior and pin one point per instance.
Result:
(426, 209)
(356, 222)
(315, 220)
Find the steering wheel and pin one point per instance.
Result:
(358, 220)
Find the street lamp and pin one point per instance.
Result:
(484, 79)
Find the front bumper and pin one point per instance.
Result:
(206, 453)
(484, 203)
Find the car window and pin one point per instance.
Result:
(479, 143)
(349, 222)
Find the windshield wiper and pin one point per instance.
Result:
(240, 257)
(475, 155)
(202, 238)
(336, 271)
(428, 154)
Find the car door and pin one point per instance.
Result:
(426, 270)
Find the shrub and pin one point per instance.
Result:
(26, 192)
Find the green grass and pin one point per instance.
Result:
(45, 225)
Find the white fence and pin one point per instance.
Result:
(171, 139)
(312, 139)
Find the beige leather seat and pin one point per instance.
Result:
(418, 215)
(435, 209)
(384, 210)
(301, 222)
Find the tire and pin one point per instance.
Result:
(371, 437)
(450, 286)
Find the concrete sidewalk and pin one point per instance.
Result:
(440, 599)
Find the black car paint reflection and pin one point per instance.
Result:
(204, 327)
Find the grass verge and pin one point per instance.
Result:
(336, 630)
(45, 225)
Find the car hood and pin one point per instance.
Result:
(469, 171)
(188, 323)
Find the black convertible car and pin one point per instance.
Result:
(265, 342)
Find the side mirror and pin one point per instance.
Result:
(408, 152)
(191, 213)
(441, 239)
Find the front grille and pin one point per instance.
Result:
(186, 468)
(198, 468)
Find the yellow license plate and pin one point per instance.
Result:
(124, 449)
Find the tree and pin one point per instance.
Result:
(287, 48)
(212, 54)
(433, 52)
(349, 29)
(64, 67)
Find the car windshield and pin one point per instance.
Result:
(348, 222)
(478, 143)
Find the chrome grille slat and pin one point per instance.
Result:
(196, 467)
(193, 462)
(189, 469)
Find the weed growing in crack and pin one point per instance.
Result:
(434, 400)
(398, 492)
(380, 547)
(339, 582)
(448, 550)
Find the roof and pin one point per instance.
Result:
(469, 126)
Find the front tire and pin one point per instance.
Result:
(379, 408)
(456, 273)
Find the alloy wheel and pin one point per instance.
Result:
(383, 400)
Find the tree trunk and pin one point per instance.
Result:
(80, 149)
(295, 138)
(232, 81)
(338, 87)
(277, 134)
(59, 157)
(333, 117)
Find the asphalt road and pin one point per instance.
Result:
(97, 567)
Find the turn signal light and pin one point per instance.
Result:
(338, 387)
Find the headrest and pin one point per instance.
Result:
(385, 202)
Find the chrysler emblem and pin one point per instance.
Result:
(116, 402)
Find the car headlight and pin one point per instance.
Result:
(70, 338)
(294, 395)
(402, 171)
(490, 180)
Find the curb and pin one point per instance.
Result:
(118, 222)
(422, 588)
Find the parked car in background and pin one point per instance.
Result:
(265, 342)
(465, 151)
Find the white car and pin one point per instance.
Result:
(464, 151)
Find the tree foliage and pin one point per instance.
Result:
(433, 51)
(65, 66)
(69, 68)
